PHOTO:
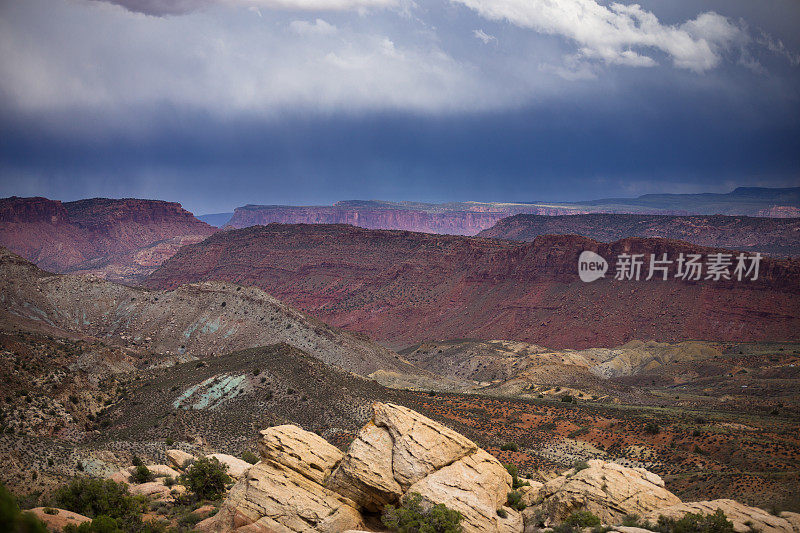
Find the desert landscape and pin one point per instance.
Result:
(399, 266)
(217, 348)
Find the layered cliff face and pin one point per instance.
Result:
(450, 219)
(778, 236)
(87, 234)
(401, 287)
(469, 218)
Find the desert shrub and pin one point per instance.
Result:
(652, 428)
(411, 517)
(142, 474)
(510, 447)
(582, 519)
(580, 465)
(169, 481)
(50, 511)
(516, 482)
(169, 441)
(13, 520)
(137, 461)
(515, 500)
(578, 432)
(566, 398)
(189, 520)
(631, 520)
(502, 513)
(695, 523)
(96, 497)
(106, 524)
(206, 478)
(250, 457)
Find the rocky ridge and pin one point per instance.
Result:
(195, 320)
(777, 236)
(304, 484)
(401, 288)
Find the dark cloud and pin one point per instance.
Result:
(160, 8)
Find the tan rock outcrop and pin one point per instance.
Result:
(236, 467)
(365, 474)
(420, 445)
(161, 471)
(608, 490)
(476, 485)
(178, 458)
(743, 517)
(57, 519)
(300, 450)
(273, 497)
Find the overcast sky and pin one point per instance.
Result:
(220, 103)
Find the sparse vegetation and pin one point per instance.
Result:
(510, 447)
(412, 517)
(695, 523)
(652, 428)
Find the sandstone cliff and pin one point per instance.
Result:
(86, 234)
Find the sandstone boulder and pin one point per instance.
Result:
(178, 458)
(420, 445)
(365, 474)
(274, 497)
(236, 467)
(743, 517)
(57, 519)
(476, 485)
(302, 451)
(608, 490)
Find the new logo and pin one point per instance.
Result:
(591, 266)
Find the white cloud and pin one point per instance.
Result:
(617, 34)
(317, 27)
(483, 36)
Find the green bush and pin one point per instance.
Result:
(631, 520)
(516, 482)
(695, 523)
(206, 478)
(142, 474)
(12, 520)
(510, 447)
(412, 518)
(106, 524)
(580, 465)
(515, 501)
(566, 398)
(96, 497)
(582, 519)
(250, 457)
